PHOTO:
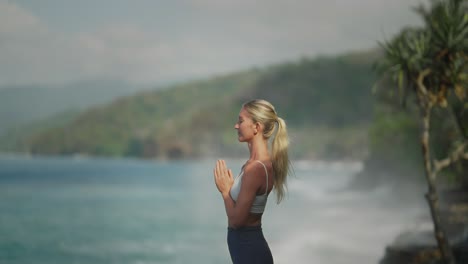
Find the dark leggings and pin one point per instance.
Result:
(248, 245)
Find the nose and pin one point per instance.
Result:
(236, 126)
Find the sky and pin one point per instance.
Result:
(52, 42)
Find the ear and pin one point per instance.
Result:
(258, 127)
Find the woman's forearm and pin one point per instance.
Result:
(234, 219)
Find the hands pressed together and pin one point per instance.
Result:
(223, 177)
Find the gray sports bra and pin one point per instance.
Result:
(260, 201)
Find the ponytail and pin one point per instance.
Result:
(280, 159)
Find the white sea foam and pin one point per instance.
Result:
(319, 224)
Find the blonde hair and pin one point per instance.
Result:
(264, 112)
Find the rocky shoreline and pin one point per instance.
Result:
(419, 246)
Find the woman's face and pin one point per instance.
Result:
(245, 126)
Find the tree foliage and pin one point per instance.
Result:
(438, 51)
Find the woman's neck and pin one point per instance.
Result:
(258, 150)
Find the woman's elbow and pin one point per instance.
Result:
(236, 222)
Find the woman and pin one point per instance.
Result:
(245, 196)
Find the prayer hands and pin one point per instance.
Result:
(223, 177)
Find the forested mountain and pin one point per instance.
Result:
(326, 102)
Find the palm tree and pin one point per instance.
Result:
(430, 63)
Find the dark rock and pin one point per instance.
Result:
(420, 246)
(423, 254)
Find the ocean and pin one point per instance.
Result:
(88, 210)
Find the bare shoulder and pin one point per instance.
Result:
(254, 176)
(253, 168)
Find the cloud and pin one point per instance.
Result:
(31, 53)
(16, 21)
(22, 39)
(200, 38)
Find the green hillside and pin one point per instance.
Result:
(326, 102)
(14, 138)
